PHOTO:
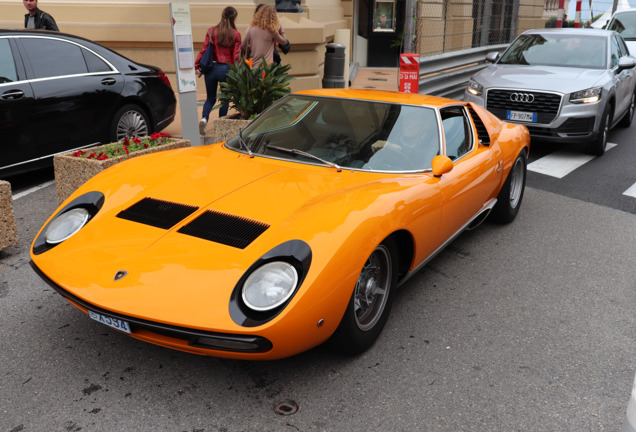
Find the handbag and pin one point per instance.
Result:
(207, 61)
(246, 47)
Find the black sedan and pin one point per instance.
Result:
(60, 92)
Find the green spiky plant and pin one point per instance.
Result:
(249, 91)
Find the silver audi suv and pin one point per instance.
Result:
(566, 85)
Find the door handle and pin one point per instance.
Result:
(109, 81)
(13, 94)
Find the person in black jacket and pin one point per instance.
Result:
(37, 19)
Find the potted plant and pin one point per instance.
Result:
(249, 91)
(74, 168)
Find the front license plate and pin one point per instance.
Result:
(521, 116)
(115, 323)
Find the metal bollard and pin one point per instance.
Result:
(334, 66)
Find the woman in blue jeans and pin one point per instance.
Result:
(227, 48)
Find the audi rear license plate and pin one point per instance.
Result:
(115, 323)
(521, 116)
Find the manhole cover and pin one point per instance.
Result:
(286, 408)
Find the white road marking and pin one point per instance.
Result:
(561, 163)
(631, 191)
(33, 189)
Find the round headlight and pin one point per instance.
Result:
(66, 224)
(270, 286)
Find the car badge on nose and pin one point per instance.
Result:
(120, 274)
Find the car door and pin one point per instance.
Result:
(476, 174)
(75, 92)
(18, 144)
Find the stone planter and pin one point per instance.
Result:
(225, 128)
(8, 229)
(71, 172)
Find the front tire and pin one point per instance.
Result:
(626, 121)
(129, 121)
(511, 194)
(598, 146)
(370, 303)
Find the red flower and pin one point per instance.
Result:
(263, 75)
(102, 156)
(126, 149)
(136, 140)
(146, 145)
(126, 141)
(91, 156)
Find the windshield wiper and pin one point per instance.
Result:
(305, 154)
(240, 135)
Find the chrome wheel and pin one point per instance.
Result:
(131, 124)
(516, 183)
(373, 288)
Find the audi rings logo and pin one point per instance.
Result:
(522, 97)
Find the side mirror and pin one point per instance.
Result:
(492, 56)
(626, 63)
(441, 165)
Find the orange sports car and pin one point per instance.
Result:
(296, 232)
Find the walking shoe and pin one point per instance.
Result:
(203, 124)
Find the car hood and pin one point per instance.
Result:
(170, 274)
(549, 78)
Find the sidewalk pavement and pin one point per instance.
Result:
(366, 78)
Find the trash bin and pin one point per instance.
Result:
(334, 66)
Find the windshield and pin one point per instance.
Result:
(625, 24)
(552, 49)
(345, 133)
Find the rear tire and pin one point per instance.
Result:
(511, 194)
(370, 303)
(129, 121)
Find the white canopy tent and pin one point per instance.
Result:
(621, 5)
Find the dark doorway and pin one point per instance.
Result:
(381, 23)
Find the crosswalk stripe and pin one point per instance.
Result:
(561, 163)
(631, 191)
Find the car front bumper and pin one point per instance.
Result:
(573, 123)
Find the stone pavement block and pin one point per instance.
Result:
(8, 229)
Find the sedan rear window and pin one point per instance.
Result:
(53, 58)
(588, 52)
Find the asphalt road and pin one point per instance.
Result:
(523, 327)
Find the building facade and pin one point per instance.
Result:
(376, 31)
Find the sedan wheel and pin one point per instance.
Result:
(130, 121)
(370, 302)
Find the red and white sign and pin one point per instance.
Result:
(409, 73)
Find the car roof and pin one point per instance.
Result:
(573, 31)
(381, 96)
(31, 32)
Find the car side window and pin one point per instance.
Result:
(623, 47)
(53, 58)
(456, 132)
(94, 63)
(616, 54)
(8, 72)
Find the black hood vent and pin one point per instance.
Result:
(157, 213)
(226, 229)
